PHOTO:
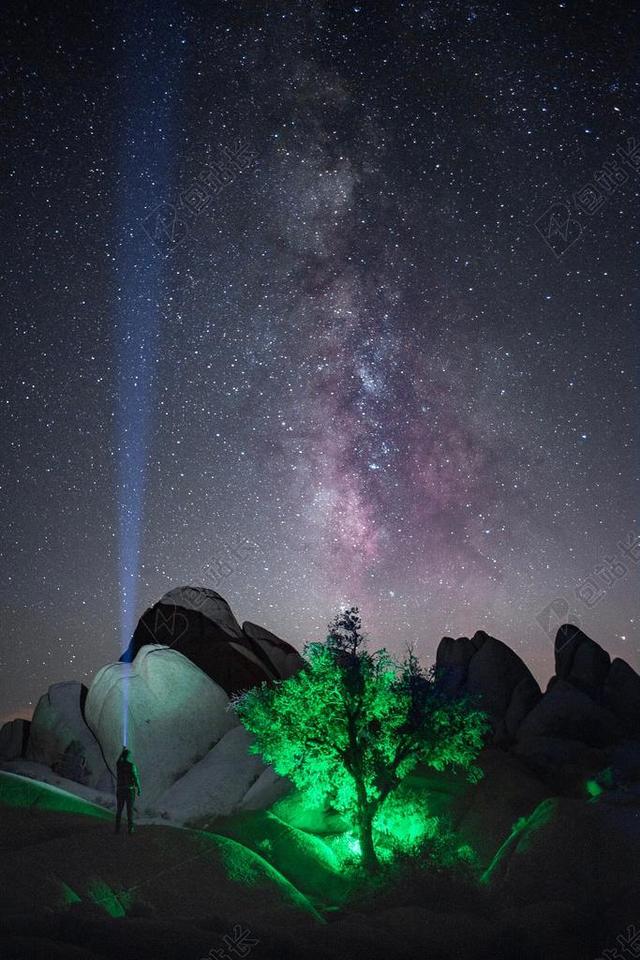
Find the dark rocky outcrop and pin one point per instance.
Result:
(486, 813)
(621, 694)
(568, 849)
(566, 712)
(580, 661)
(579, 739)
(493, 675)
(562, 764)
(14, 736)
(283, 657)
(452, 662)
(591, 706)
(200, 624)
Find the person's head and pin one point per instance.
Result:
(125, 753)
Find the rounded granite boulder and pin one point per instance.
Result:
(200, 624)
(172, 711)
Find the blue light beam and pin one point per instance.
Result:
(151, 46)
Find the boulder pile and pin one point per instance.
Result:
(170, 691)
(172, 688)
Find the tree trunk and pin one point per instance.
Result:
(370, 860)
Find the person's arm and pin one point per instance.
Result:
(136, 778)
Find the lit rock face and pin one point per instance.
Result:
(44, 774)
(200, 624)
(176, 715)
(217, 784)
(58, 729)
(13, 739)
(266, 790)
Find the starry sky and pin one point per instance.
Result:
(318, 303)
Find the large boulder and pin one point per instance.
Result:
(58, 723)
(452, 662)
(43, 774)
(217, 784)
(174, 714)
(307, 860)
(564, 765)
(490, 672)
(267, 790)
(580, 661)
(624, 763)
(14, 737)
(525, 695)
(485, 814)
(282, 656)
(200, 624)
(573, 849)
(566, 712)
(621, 695)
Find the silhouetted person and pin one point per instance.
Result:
(128, 784)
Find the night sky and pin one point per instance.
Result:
(288, 312)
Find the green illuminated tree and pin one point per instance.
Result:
(350, 726)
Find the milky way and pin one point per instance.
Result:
(376, 373)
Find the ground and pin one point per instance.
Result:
(72, 888)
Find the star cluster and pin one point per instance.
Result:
(369, 367)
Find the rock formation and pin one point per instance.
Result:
(199, 624)
(566, 712)
(580, 661)
(176, 713)
(554, 822)
(621, 695)
(284, 660)
(216, 785)
(14, 736)
(493, 675)
(187, 656)
(58, 721)
(581, 735)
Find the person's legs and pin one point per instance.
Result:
(130, 799)
(119, 808)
